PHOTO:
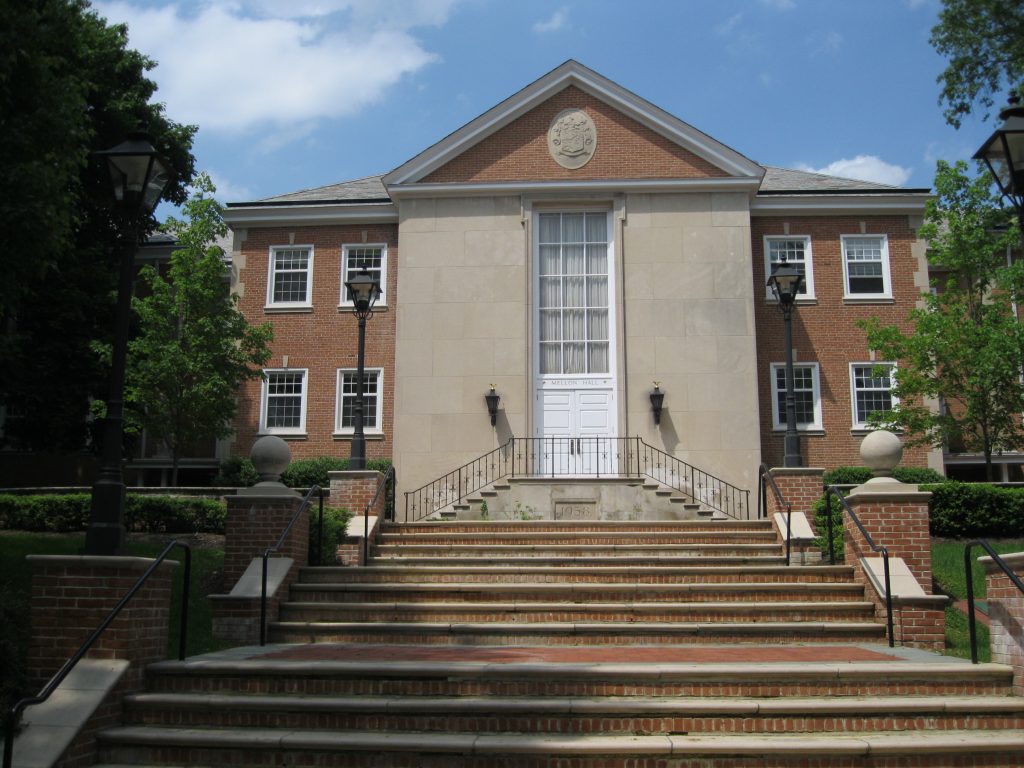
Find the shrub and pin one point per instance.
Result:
(236, 472)
(858, 475)
(970, 510)
(61, 513)
(821, 525)
(335, 526)
(304, 473)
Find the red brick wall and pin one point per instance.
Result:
(800, 487)
(71, 596)
(1006, 610)
(825, 332)
(353, 490)
(625, 149)
(320, 341)
(255, 523)
(900, 524)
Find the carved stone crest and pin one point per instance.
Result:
(572, 138)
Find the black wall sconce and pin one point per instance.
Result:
(492, 399)
(657, 400)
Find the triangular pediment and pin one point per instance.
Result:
(634, 140)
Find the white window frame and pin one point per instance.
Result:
(808, 264)
(382, 300)
(886, 278)
(306, 303)
(817, 424)
(265, 396)
(339, 395)
(857, 424)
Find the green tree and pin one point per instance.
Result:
(194, 348)
(984, 42)
(69, 86)
(967, 346)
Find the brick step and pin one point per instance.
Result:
(562, 715)
(469, 592)
(576, 526)
(594, 537)
(574, 633)
(214, 747)
(396, 676)
(706, 573)
(578, 551)
(527, 612)
(592, 560)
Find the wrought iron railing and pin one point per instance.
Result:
(968, 572)
(577, 457)
(834, 491)
(14, 714)
(765, 480)
(316, 489)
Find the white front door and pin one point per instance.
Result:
(573, 346)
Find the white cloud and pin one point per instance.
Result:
(227, 190)
(229, 71)
(779, 5)
(864, 168)
(557, 21)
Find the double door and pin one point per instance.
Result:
(576, 432)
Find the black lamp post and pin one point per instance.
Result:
(1003, 152)
(785, 281)
(138, 175)
(363, 292)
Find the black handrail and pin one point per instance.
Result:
(270, 550)
(388, 476)
(15, 712)
(968, 571)
(596, 457)
(764, 472)
(318, 553)
(874, 548)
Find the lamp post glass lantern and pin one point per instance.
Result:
(363, 291)
(138, 176)
(1003, 153)
(785, 281)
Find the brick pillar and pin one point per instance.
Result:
(72, 595)
(1006, 610)
(354, 489)
(256, 522)
(800, 486)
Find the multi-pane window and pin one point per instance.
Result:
(284, 401)
(807, 395)
(866, 266)
(573, 298)
(872, 391)
(291, 276)
(796, 251)
(344, 418)
(372, 258)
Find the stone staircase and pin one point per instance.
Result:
(574, 645)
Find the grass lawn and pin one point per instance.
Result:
(16, 586)
(948, 570)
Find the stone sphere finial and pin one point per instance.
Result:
(881, 450)
(270, 456)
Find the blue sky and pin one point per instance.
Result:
(297, 94)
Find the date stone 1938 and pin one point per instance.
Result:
(572, 138)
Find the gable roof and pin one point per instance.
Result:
(791, 181)
(572, 73)
(368, 189)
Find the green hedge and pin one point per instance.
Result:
(62, 513)
(972, 510)
(335, 525)
(858, 475)
(239, 472)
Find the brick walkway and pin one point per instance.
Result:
(582, 654)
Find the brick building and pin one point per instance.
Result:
(572, 246)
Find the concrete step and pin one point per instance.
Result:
(576, 526)
(587, 538)
(394, 550)
(204, 746)
(679, 561)
(574, 633)
(396, 676)
(529, 612)
(460, 592)
(564, 715)
(660, 573)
